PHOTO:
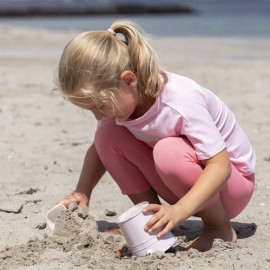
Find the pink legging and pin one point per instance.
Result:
(171, 168)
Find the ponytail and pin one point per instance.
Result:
(143, 59)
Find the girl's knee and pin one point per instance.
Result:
(108, 133)
(103, 129)
(161, 152)
(104, 135)
(172, 151)
(110, 137)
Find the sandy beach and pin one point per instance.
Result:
(44, 139)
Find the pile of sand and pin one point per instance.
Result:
(78, 241)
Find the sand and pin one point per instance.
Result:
(44, 138)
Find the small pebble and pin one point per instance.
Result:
(41, 226)
(109, 213)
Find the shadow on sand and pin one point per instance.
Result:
(190, 229)
(193, 228)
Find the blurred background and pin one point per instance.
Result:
(192, 18)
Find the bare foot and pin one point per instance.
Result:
(205, 241)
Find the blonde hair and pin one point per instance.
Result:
(92, 63)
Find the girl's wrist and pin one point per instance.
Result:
(83, 191)
(183, 210)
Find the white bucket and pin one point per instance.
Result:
(140, 242)
(52, 215)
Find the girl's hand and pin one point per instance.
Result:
(165, 216)
(75, 197)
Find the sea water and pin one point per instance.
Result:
(217, 18)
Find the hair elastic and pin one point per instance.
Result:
(111, 31)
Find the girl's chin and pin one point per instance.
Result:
(123, 118)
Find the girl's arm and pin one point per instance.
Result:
(91, 173)
(215, 174)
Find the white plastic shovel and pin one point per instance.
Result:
(52, 215)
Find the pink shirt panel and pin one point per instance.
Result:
(184, 108)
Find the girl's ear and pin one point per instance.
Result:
(129, 78)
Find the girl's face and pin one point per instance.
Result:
(127, 102)
(127, 99)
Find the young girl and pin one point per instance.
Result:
(158, 134)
